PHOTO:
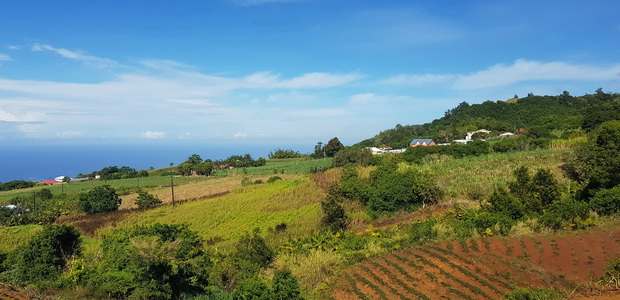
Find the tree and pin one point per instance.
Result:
(159, 261)
(332, 147)
(285, 286)
(597, 162)
(334, 216)
(42, 259)
(100, 199)
(145, 199)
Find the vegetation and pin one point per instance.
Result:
(99, 199)
(280, 154)
(145, 199)
(41, 261)
(292, 236)
(16, 184)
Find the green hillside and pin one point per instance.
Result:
(541, 116)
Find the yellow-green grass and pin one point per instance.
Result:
(294, 202)
(14, 236)
(78, 187)
(475, 177)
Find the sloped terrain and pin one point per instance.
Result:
(483, 268)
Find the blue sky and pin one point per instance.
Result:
(284, 72)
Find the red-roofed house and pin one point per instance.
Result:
(50, 182)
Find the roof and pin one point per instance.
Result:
(421, 141)
(49, 181)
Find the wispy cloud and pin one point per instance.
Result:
(153, 134)
(13, 47)
(310, 80)
(5, 57)
(523, 70)
(88, 59)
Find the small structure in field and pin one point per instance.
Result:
(50, 182)
(505, 134)
(422, 142)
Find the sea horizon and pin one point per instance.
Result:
(38, 162)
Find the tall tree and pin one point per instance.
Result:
(334, 145)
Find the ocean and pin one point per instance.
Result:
(41, 162)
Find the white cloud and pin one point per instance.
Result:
(310, 80)
(13, 47)
(523, 70)
(70, 134)
(8, 117)
(240, 135)
(501, 75)
(5, 57)
(89, 59)
(197, 102)
(153, 135)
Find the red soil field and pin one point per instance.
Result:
(486, 268)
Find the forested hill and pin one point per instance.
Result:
(541, 116)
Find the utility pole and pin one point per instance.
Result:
(172, 184)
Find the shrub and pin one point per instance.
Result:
(40, 261)
(285, 286)
(253, 248)
(151, 262)
(273, 179)
(485, 221)
(567, 213)
(334, 216)
(252, 288)
(504, 203)
(606, 202)
(536, 293)
(145, 199)
(612, 273)
(100, 199)
(423, 231)
(352, 155)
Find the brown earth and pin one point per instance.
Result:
(10, 292)
(488, 268)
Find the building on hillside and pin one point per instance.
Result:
(50, 182)
(504, 134)
(422, 142)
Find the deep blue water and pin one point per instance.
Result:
(40, 162)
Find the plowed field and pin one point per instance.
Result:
(483, 268)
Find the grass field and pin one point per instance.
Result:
(294, 202)
(119, 185)
(12, 237)
(282, 166)
(474, 177)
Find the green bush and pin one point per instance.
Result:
(484, 221)
(252, 288)
(612, 273)
(100, 199)
(423, 231)
(352, 155)
(502, 202)
(334, 216)
(536, 293)
(151, 262)
(606, 202)
(285, 286)
(566, 213)
(41, 261)
(145, 199)
(253, 248)
(273, 179)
